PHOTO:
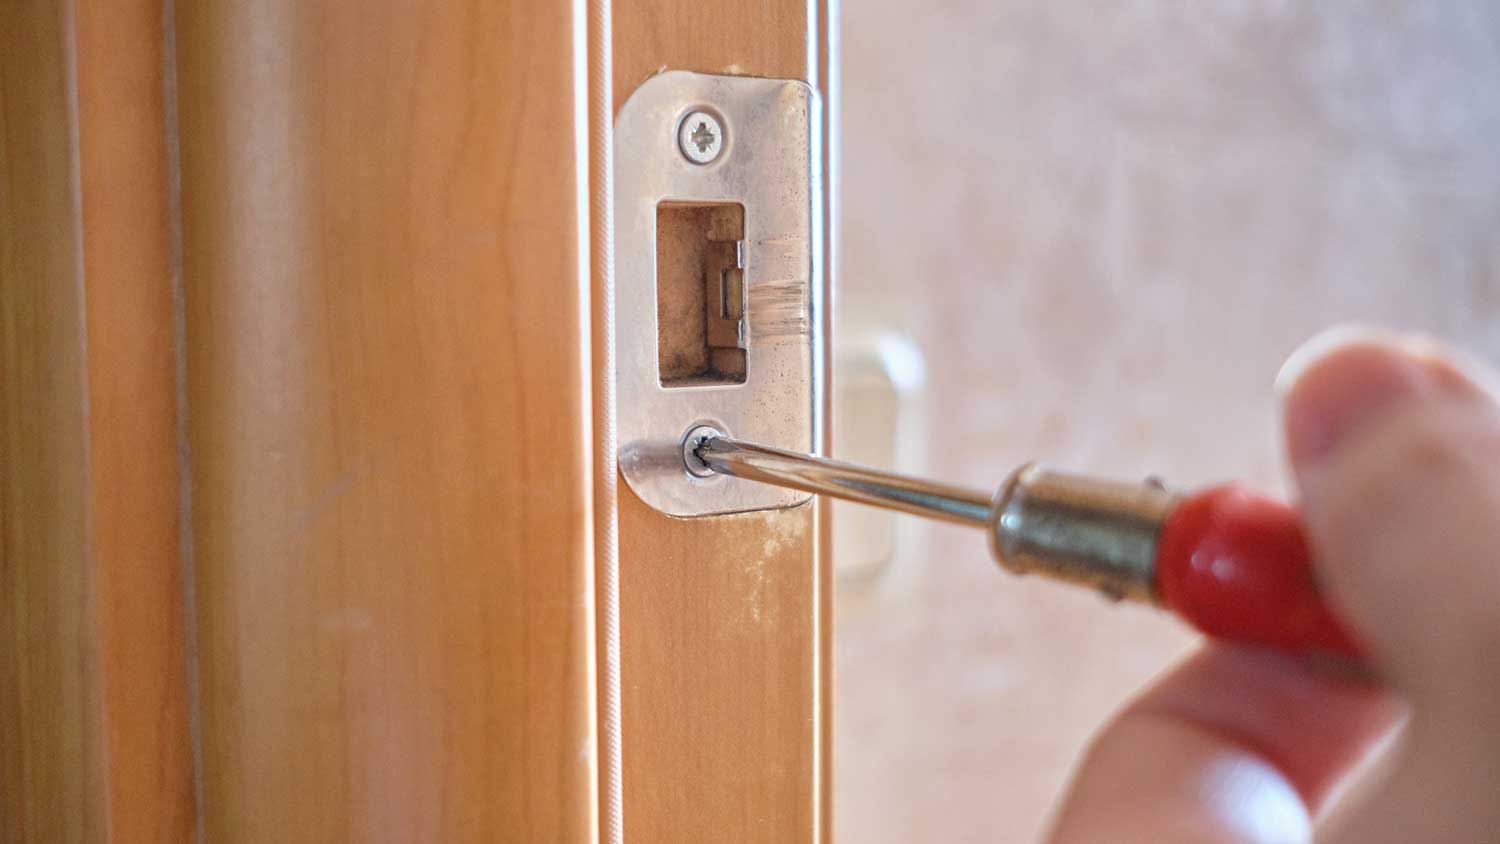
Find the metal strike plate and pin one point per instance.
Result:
(720, 178)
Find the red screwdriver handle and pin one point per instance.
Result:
(1236, 566)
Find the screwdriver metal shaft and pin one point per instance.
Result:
(847, 481)
(1089, 531)
(1232, 563)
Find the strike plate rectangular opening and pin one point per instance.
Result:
(700, 293)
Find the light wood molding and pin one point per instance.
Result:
(50, 737)
(94, 701)
(388, 375)
(135, 525)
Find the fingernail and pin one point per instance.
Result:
(1345, 377)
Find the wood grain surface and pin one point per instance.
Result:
(772, 39)
(50, 737)
(375, 621)
(135, 484)
(723, 624)
(93, 683)
(388, 375)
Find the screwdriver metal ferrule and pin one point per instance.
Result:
(1069, 527)
(1081, 529)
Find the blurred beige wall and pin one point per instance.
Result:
(1105, 225)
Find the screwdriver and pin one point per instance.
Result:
(1231, 563)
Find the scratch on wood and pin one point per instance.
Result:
(326, 499)
(756, 571)
(784, 529)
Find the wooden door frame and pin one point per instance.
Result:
(224, 255)
(648, 37)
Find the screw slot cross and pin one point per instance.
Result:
(702, 137)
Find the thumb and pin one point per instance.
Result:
(1395, 448)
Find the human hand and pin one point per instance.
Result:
(1394, 446)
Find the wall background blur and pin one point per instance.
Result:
(1106, 225)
